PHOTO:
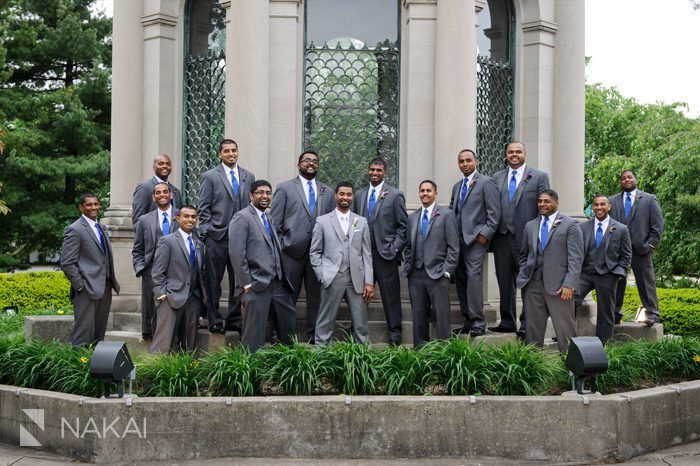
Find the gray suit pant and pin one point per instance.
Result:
(297, 270)
(90, 317)
(540, 306)
(424, 292)
(340, 287)
(217, 261)
(257, 310)
(605, 287)
(469, 278)
(176, 326)
(643, 269)
(148, 306)
(386, 274)
(506, 257)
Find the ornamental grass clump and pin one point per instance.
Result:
(402, 371)
(296, 369)
(231, 371)
(353, 369)
(176, 374)
(455, 366)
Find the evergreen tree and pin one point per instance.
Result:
(55, 58)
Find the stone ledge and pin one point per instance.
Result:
(618, 426)
(48, 328)
(637, 331)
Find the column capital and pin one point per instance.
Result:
(479, 5)
(160, 19)
(540, 25)
(407, 3)
(225, 4)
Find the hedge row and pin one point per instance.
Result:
(34, 290)
(679, 309)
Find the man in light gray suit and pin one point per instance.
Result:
(641, 213)
(341, 256)
(384, 207)
(87, 262)
(550, 265)
(261, 281)
(519, 187)
(224, 191)
(297, 204)
(149, 229)
(178, 285)
(142, 202)
(430, 258)
(607, 253)
(476, 204)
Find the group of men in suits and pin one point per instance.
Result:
(341, 243)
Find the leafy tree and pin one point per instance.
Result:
(662, 146)
(55, 109)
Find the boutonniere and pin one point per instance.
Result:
(472, 183)
(383, 193)
(435, 214)
(556, 223)
(528, 176)
(612, 228)
(322, 190)
(354, 222)
(639, 196)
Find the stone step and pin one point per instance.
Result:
(133, 340)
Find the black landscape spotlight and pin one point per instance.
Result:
(112, 364)
(586, 359)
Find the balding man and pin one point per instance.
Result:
(143, 202)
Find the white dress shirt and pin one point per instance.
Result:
(344, 220)
(305, 186)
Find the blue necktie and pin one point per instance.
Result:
(544, 233)
(234, 183)
(628, 204)
(166, 224)
(465, 188)
(312, 197)
(424, 223)
(102, 236)
(193, 257)
(370, 205)
(267, 225)
(599, 235)
(512, 186)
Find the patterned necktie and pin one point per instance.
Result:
(234, 182)
(628, 204)
(512, 186)
(370, 205)
(544, 233)
(465, 188)
(102, 237)
(267, 225)
(166, 224)
(312, 197)
(425, 221)
(599, 234)
(193, 257)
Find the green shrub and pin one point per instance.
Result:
(402, 371)
(231, 372)
(354, 369)
(455, 365)
(679, 309)
(177, 374)
(296, 369)
(34, 290)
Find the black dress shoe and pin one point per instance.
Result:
(520, 334)
(477, 332)
(650, 322)
(217, 329)
(233, 328)
(618, 320)
(501, 329)
(394, 342)
(462, 330)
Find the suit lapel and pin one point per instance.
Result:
(416, 228)
(336, 226)
(378, 203)
(433, 217)
(633, 210)
(608, 234)
(183, 247)
(302, 195)
(258, 222)
(472, 185)
(93, 235)
(223, 176)
(521, 186)
(535, 237)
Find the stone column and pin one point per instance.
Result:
(569, 107)
(161, 93)
(286, 76)
(248, 81)
(418, 39)
(455, 90)
(536, 72)
(126, 147)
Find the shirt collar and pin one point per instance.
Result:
(633, 193)
(378, 190)
(228, 170)
(430, 210)
(90, 222)
(341, 215)
(260, 212)
(184, 235)
(605, 223)
(169, 210)
(551, 219)
(305, 182)
(159, 180)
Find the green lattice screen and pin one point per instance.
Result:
(205, 76)
(351, 109)
(494, 112)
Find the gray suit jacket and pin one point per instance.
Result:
(616, 243)
(645, 222)
(252, 251)
(146, 235)
(172, 272)
(562, 256)
(294, 223)
(143, 199)
(440, 245)
(481, 210)
(83, 261)
(326, 251)
(389, 222)
(523, 208)
(216, 207)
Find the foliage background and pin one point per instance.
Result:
(55, 59)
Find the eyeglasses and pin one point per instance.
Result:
(262, 193)
(309, 161)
